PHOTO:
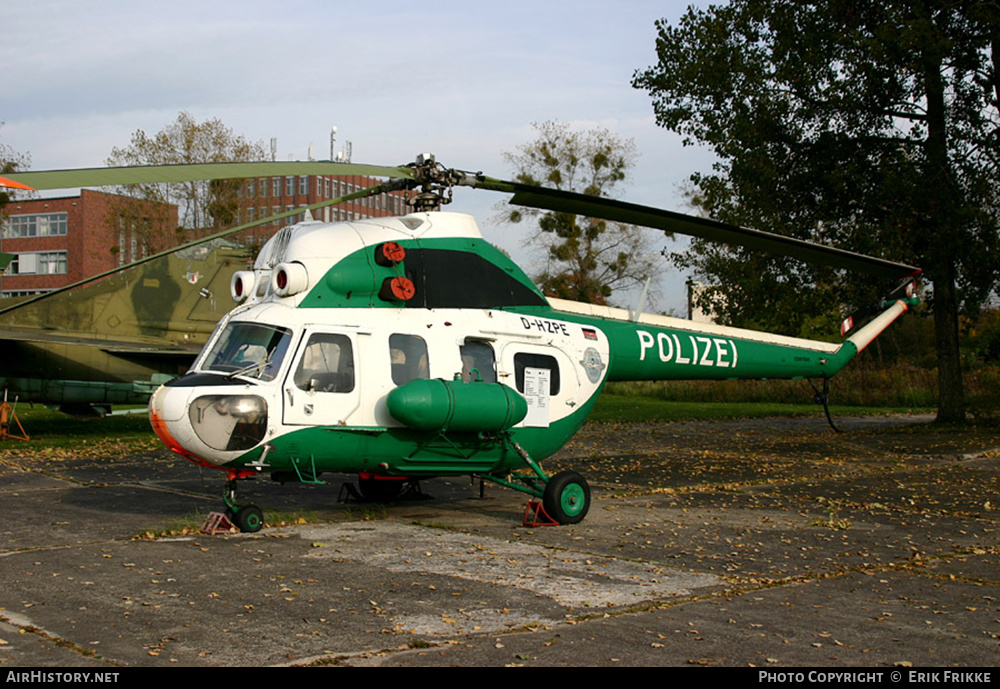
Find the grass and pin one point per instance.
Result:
(863, 386)
(50, 430)
(612, 407)
(859, 390)
(191, 525)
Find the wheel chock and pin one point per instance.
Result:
(217, 522)
(535, 515)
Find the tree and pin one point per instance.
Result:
(10, 161)
(203, 205)
(586, 258)
(873, 126)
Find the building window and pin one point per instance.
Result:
(37, 225)
(289, 186)
(38, 263)
(303, 185)
(23, 292)
(275, 186)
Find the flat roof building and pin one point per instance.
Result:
(59, 241)
(262, 197)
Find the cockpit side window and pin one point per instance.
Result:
(478, 357)
(408, 357)
(327, 364)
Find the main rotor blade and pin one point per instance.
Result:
(704, 228)
(369, 191)
(148, 174)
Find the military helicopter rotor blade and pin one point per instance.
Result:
(150, 174)
(368, 191)
(671, 221)
(433, 178)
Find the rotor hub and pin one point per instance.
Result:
(435, 182)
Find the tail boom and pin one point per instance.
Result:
(663, 348)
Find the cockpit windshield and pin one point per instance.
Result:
(253, 350)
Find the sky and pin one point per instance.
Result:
(462, 80)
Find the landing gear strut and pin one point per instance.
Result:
(247, 518)
(565, 496)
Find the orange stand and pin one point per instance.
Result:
(7, 416)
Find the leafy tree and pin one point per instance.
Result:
(870, 125)
(202, 205)
(10, 161)
(586, 258)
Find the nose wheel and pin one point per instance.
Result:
(247, 518)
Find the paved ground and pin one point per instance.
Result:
(767, 543)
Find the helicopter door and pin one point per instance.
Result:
(322, 388)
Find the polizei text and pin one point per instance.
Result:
(695, 350)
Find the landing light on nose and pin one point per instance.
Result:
(229, 422)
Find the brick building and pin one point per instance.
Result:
(262, 197)
(59, 241)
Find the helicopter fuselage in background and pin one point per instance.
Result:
(117, 340)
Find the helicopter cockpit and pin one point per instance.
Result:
(233, 417)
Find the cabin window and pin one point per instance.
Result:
(327, 364)
(409, 358)
(525, 360)
(249, 349)
(477, 356)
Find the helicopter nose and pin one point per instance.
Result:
(167, 415)
(210, 425)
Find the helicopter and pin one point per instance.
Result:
(408, 347)
(116, 341)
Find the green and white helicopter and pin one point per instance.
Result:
(408, 347)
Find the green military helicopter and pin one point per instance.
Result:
(409, 347)
(116, 341)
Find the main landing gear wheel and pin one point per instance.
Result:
(567, 497)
